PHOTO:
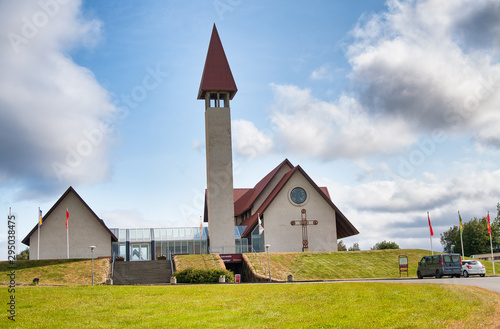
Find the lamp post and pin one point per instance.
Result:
(268, 266)
(92, 250)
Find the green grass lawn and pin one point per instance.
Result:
(69, 272)
(342, 265)
(313, 305)
(202, 262)
(303, 266)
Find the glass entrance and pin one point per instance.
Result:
(139, 251)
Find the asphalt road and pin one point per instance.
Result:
(488, 282)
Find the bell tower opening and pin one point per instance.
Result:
(217, 99)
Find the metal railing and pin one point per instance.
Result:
(171, 262)
(212, 256)
(113, 266)
(260, 260)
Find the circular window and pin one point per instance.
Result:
(298, 195)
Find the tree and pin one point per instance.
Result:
(23, 255)
(341, 246)
(450, 239)
(475, 236)
(385, 245)
(355, 247)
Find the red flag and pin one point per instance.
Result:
(67, 218)
(430, 226)
(489, 225)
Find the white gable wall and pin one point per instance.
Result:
(283, 237)
(84, 231)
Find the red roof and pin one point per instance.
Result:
(244, 200)
(344, 226)
(217, 74)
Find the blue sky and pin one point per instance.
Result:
(391, 105)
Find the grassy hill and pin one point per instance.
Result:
(203, 262)
(341, 265)
(303, 266)
(68, 272)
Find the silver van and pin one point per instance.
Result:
(440, 265)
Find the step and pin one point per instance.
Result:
(142, 272)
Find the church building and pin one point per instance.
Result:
(285, 210)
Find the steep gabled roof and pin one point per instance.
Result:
(217, 74)
(343, 225)
(26, 240)
(246, 201)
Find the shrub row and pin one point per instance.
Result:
(191, 275)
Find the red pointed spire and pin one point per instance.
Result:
(217, 74)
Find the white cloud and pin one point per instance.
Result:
(128, 218)
(397, 210)
(308, 126)
(248, 141)
(423, 61)
(52, 111)
(325, 72)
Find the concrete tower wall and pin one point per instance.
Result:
(220, 202)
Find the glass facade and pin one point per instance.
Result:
(150, 243)
(257, 240)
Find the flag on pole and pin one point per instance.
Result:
(67, 218)
(261, 229)
(461, 234)
(430, 226)
(489, 224)
(461, 226)
(40, 218)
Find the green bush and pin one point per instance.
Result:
(191, 275)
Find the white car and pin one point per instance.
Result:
(472, 267)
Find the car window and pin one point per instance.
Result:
(435, 259)
(447, 259)
(474, 262)
(455, 259)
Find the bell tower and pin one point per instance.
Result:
(218, 88)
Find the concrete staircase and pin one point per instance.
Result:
(142, 272)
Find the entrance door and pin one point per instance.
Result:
(139, 251)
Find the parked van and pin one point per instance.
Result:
(440, 265)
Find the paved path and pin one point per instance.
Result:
(489, 282)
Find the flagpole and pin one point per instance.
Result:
(430, 232)
(67, 242)
(201, 232)
(491, 244)
(461, 231)
(38, 247)
(67, 234)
